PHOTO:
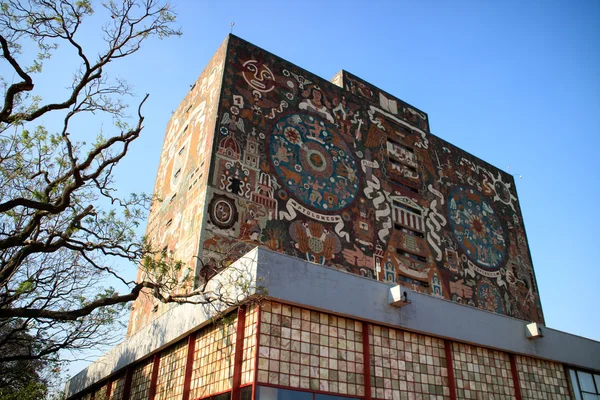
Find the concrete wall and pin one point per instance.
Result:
(309, 285)
(296, 281)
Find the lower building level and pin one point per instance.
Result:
(322, 334)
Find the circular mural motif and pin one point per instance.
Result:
(476, 227)
(313, 162)
(222, 211)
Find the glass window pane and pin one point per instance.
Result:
(574, 384)
(330, 397)
(246, 393)
(586, 382)
(269, 393)
(293, 395)
(223, 396)
(588, 396)
(266, 393)
(597, 379)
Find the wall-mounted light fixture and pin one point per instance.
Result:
(533, 331)
(398, 296)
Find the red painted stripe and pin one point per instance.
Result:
(189, 366)
(108, 389)
(127, 383)
(367, 361)
(154, 378)
(515, 376)
(236, 380)
(450, 367)
(254, 381)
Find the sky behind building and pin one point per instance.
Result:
(514, 83)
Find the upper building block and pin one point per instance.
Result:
(264, 153)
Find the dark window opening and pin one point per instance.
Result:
(412, 256)
(408, 231)
(402, 145)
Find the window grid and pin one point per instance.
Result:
(100, 393)
(482, 373)
(310, 350)
(249, 347)
(585, 384)
(214, 356)
(117, 388)
(540, 379)
(171, 372)
(406, 365)
(140, 380)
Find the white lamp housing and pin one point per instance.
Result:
(398, 296)
(534, 331)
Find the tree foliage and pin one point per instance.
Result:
(24, 379)
(62, 223)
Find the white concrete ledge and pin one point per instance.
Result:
(297, 281)
(292, 280)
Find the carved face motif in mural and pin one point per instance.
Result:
(258, 76)
(313, 162)
(502, 192)
(476, 227)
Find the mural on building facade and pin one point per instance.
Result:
(350, 177)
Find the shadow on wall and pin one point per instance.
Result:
(117, 359)
(224, 292)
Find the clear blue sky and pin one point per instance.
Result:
(515, 83)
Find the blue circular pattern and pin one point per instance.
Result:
(313, 162)
(476, 227)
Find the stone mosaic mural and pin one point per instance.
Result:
(350, 177)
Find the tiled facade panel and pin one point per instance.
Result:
(542, 380)
(307, 349)
(310, 350)
(482, 373)
(171, 372)
(351, 177)
(407, 366)
(117, 387)
(249, 348)
(100, 393)
(175, 221)
(140, 380)
(214, 355)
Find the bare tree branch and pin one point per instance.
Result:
(63, 225)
